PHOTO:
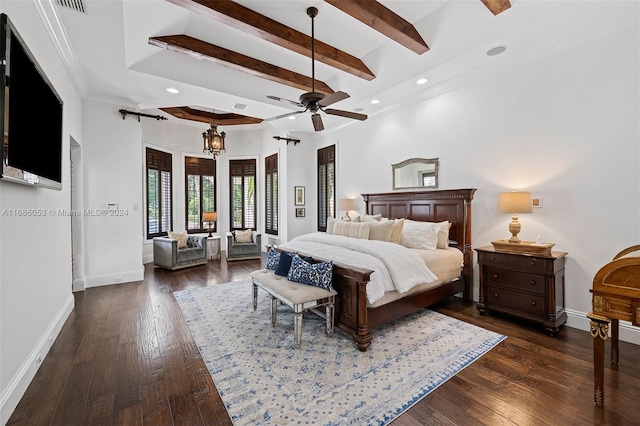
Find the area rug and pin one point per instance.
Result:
(263, 380)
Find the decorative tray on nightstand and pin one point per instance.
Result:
(524, 247)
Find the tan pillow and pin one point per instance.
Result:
(331, 221)
(380, 231)
(443, 234)
(244, 236)
(396, 231)
(352, 229)
(180, 236)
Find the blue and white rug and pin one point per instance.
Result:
(263, 380)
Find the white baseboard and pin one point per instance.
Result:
(147, 258)
(78, 285)
(12, 394)
(114, 278)
(579, 320)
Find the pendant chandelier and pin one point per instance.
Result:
(213, 141)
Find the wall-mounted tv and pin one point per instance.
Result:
(31, 116)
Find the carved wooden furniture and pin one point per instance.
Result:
(616, 296)
(352, 314)
(524, 285)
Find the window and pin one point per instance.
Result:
(271, 194)
(326, 185)
(242, 181)
(159, 196)
(200, 190)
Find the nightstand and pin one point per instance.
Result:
(213, 246)
(523, 285)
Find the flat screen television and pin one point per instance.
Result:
(31, 116)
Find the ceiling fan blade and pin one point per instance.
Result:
(275, 98)
(284, 115)
(317, 122)
(347, 114)
(333, 98)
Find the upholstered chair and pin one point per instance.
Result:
(166, 253)
(243, 250)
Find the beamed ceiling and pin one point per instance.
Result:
(220, 53)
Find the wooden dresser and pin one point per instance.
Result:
(523, 285)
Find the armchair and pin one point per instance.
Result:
(166, 253)
(242, 251)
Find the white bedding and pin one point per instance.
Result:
(396, 268)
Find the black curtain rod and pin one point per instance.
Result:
(124, 113)
(280, 138)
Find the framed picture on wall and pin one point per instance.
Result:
(300, 212)
(299, 196)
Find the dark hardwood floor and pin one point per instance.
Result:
(125, 357)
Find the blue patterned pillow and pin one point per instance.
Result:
(273, 259)
(318, 274)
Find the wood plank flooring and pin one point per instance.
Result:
(125, 357)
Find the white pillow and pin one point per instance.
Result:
(369, 218)
(420, 235)
(380, 231)
(180, 236)
(352, 229)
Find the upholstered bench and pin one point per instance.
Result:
(298, 296)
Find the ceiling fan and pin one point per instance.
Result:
(314, 101)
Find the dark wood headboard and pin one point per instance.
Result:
(453, 205)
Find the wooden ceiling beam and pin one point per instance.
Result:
(242, 18)
(219, 119)
(202, 50)
(383, 20)
(497, 6)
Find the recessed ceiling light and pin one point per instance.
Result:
(422, 81)
(292, 117)
(241, 106)
(172, 90)
(496, 50)
(375, 101)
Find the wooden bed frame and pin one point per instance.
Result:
(351, 312)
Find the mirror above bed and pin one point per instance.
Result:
(415, 173)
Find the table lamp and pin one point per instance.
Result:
(210, 217)
(514, 202)
(348, 204)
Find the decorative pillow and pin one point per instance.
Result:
(380, 230)
(352, 229)
(273, 259)
(318, 274)
(331, 221)
(369, 217)
(443, 234)
(420, 235)
(244, 236)
(396, 231)
(181, 237)
(284, 264)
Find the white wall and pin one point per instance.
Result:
(35, 253)
(563, 126)
(113, 174)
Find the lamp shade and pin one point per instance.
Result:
(515, 202)
(348, 204)
(210, 217)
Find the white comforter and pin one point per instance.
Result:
(395, 267)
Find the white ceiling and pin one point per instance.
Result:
(109, 46)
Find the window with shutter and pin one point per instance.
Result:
(200, 192)
(242, 203)
(271, 194)
(326, 186)
(159, 194)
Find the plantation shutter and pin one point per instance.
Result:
(200, 184)
(159, 192)
(242, 180)
(326, 186)
(271, 194)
